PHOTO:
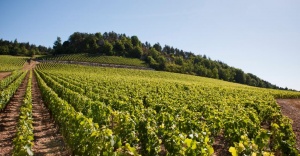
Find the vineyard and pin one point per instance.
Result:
(112, 111)
(20, 132)
(96, 59)
(9, 63)
(122, 111)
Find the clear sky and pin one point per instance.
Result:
(261, 37)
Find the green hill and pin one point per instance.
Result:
(151, 112)
(165, 58)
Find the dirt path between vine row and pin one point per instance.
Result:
(291, 109)
(30, 65)
(4, 75)
(47, 141)
(9, 119)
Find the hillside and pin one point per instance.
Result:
(116, 111)
(165, 58)
(172, 110)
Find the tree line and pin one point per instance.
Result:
(22, 49)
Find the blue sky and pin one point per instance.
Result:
(258, 36)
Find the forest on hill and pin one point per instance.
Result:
(165, 58)
(22, 49)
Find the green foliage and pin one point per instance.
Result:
(23, 49)
(81, 134)
(150, 113)
(57, 47)
(8, 80)
(23, 141)
(165, 58)
(96, 59)
(9, 91)
(119, 48)
(135, 41)
(136, 52)
(240, 76)
(107, 49)
(10, 63)
(258, 146)
(179, 61)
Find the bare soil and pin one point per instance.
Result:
(9, 120)
(30, 65)
(291, 109)
(4, 75)
(220, 146)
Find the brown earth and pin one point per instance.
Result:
(220, 146)
(30, 65)
(4, 75)
(47, 140)
(291, 109)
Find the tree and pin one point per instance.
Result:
(127, 43)
(98, 35)
(161, 62)
(147, 45)
(188, 68)
(152, 62)
(157, 47)
(239, 76)
(224, 74)
(92, 42)
(15, 50)
(179, 60)
(106, 48)
(167, 49)
(135, 41)
(253, 82)
(136, 52)
(215, 73)
(4, 50)
(32, 52)
(154, 53)
(57, 47)
(119, 48)
(23, 51)
(201, 70)
(67, 48)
